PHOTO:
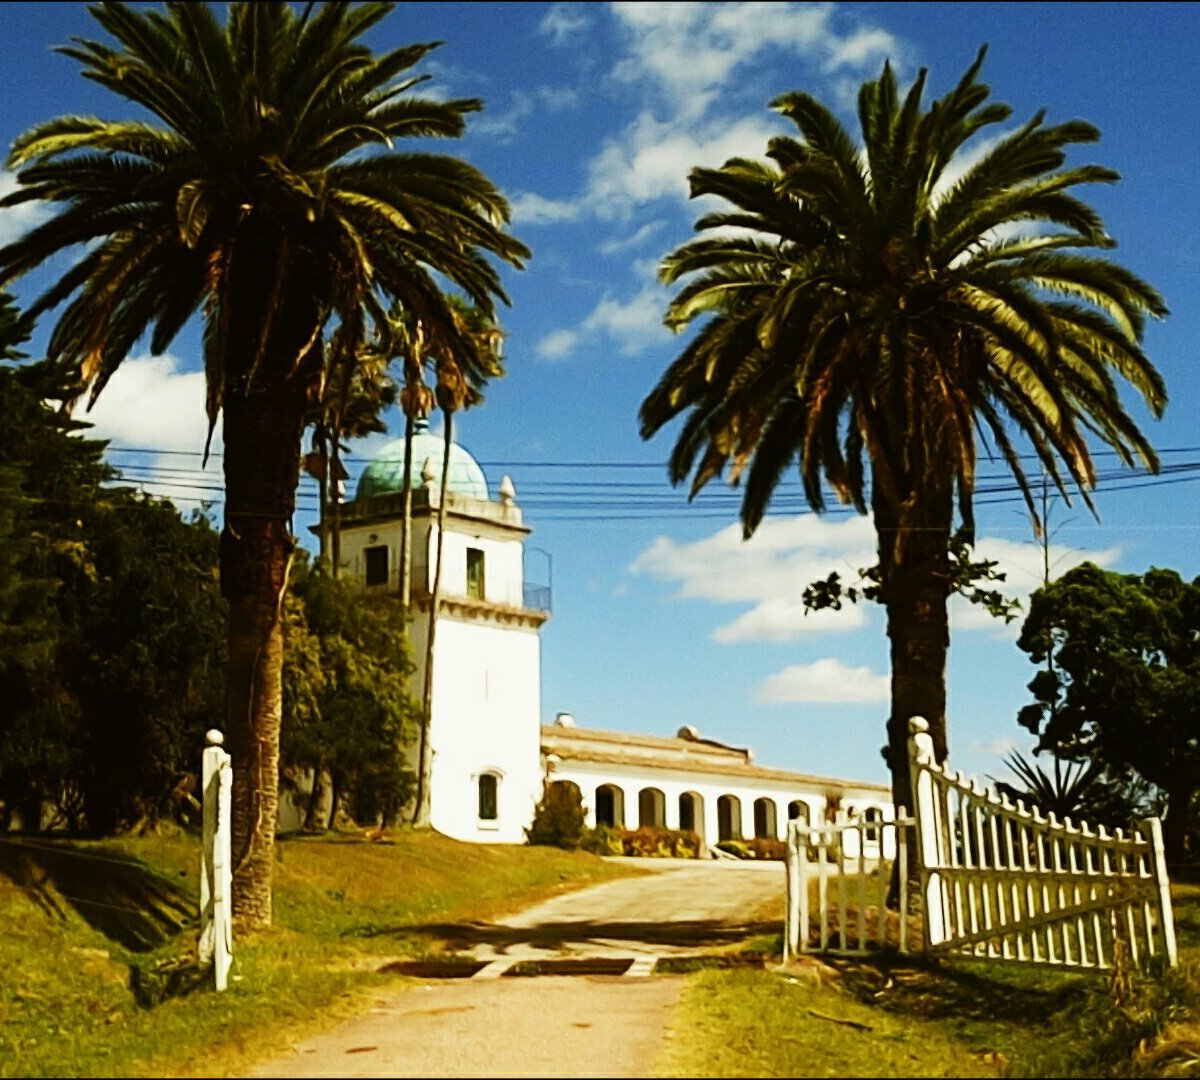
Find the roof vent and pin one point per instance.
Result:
(564, 719)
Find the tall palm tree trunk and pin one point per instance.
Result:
(262, 465)
(264, 413)
(335, 507)
(914, 564)
(421, 813)
(322, 449)
(406, 518)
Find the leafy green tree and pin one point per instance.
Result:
(270, 193)
(1124, 686)
(346, 695)
(111, 622)
(864, 311)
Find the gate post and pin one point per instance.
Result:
(216, 925)
(1158, 867)
(920, 762)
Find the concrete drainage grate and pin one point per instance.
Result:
(593, 966)
(435, 969)
(631, 967)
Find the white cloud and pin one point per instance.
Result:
(150, 404)
(17, 220)
(504, 125)
(558, 345)
(782, 618)
(563, 22)
(768, 573)
(683, 59)
(827, 681)
(691, 51)
(652, 159)
(612, 247)
(1022, 565)
(631, 325)
(997, 748)
(530, 208)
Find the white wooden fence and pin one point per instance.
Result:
(848, 914)
(998, 882)
(1003, 882)
(216, 871)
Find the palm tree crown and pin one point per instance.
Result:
(262, 127)
(869, 311)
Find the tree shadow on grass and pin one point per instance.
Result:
(937, 990)
(118, 895)
(553, 936)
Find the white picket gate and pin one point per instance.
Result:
(998, 882)
(846, 886)
(1003, 882)
(216, 869)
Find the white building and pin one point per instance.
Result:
(491, 754)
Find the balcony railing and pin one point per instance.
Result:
(538, 598)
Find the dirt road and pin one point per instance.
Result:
(554, 1025)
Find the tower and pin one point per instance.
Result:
(486, 714)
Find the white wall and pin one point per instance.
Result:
(487, 717)
(502, 563)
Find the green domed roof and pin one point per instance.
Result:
(385, 474)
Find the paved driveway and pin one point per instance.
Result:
(555, 1025)
(681, 906)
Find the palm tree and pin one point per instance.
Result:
(348, 405)
(867, 311)
(460, 375)
(269, 193)
(406, 341)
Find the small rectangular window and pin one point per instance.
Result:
(487, 797)
(377, 565)
(475, 573)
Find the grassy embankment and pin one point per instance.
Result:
(850, 1018)
(97, 936)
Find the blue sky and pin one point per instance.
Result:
(595, 114)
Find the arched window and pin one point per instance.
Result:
(489, 803)
(872, 819)
(729, 818)
(798, 811)
(652, 809)
(765, 822)
(610, 806)
(691, 812)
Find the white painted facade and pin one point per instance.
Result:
(491, 754)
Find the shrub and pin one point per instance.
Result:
(768, 848)
(760, 847)
(559, 819)
(602, 841)
(659, 843)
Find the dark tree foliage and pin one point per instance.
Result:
(559, 819)
(345, 696)
(111, 627)
(1120, 679)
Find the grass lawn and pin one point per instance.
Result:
(97, 938)
(854, 1019)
